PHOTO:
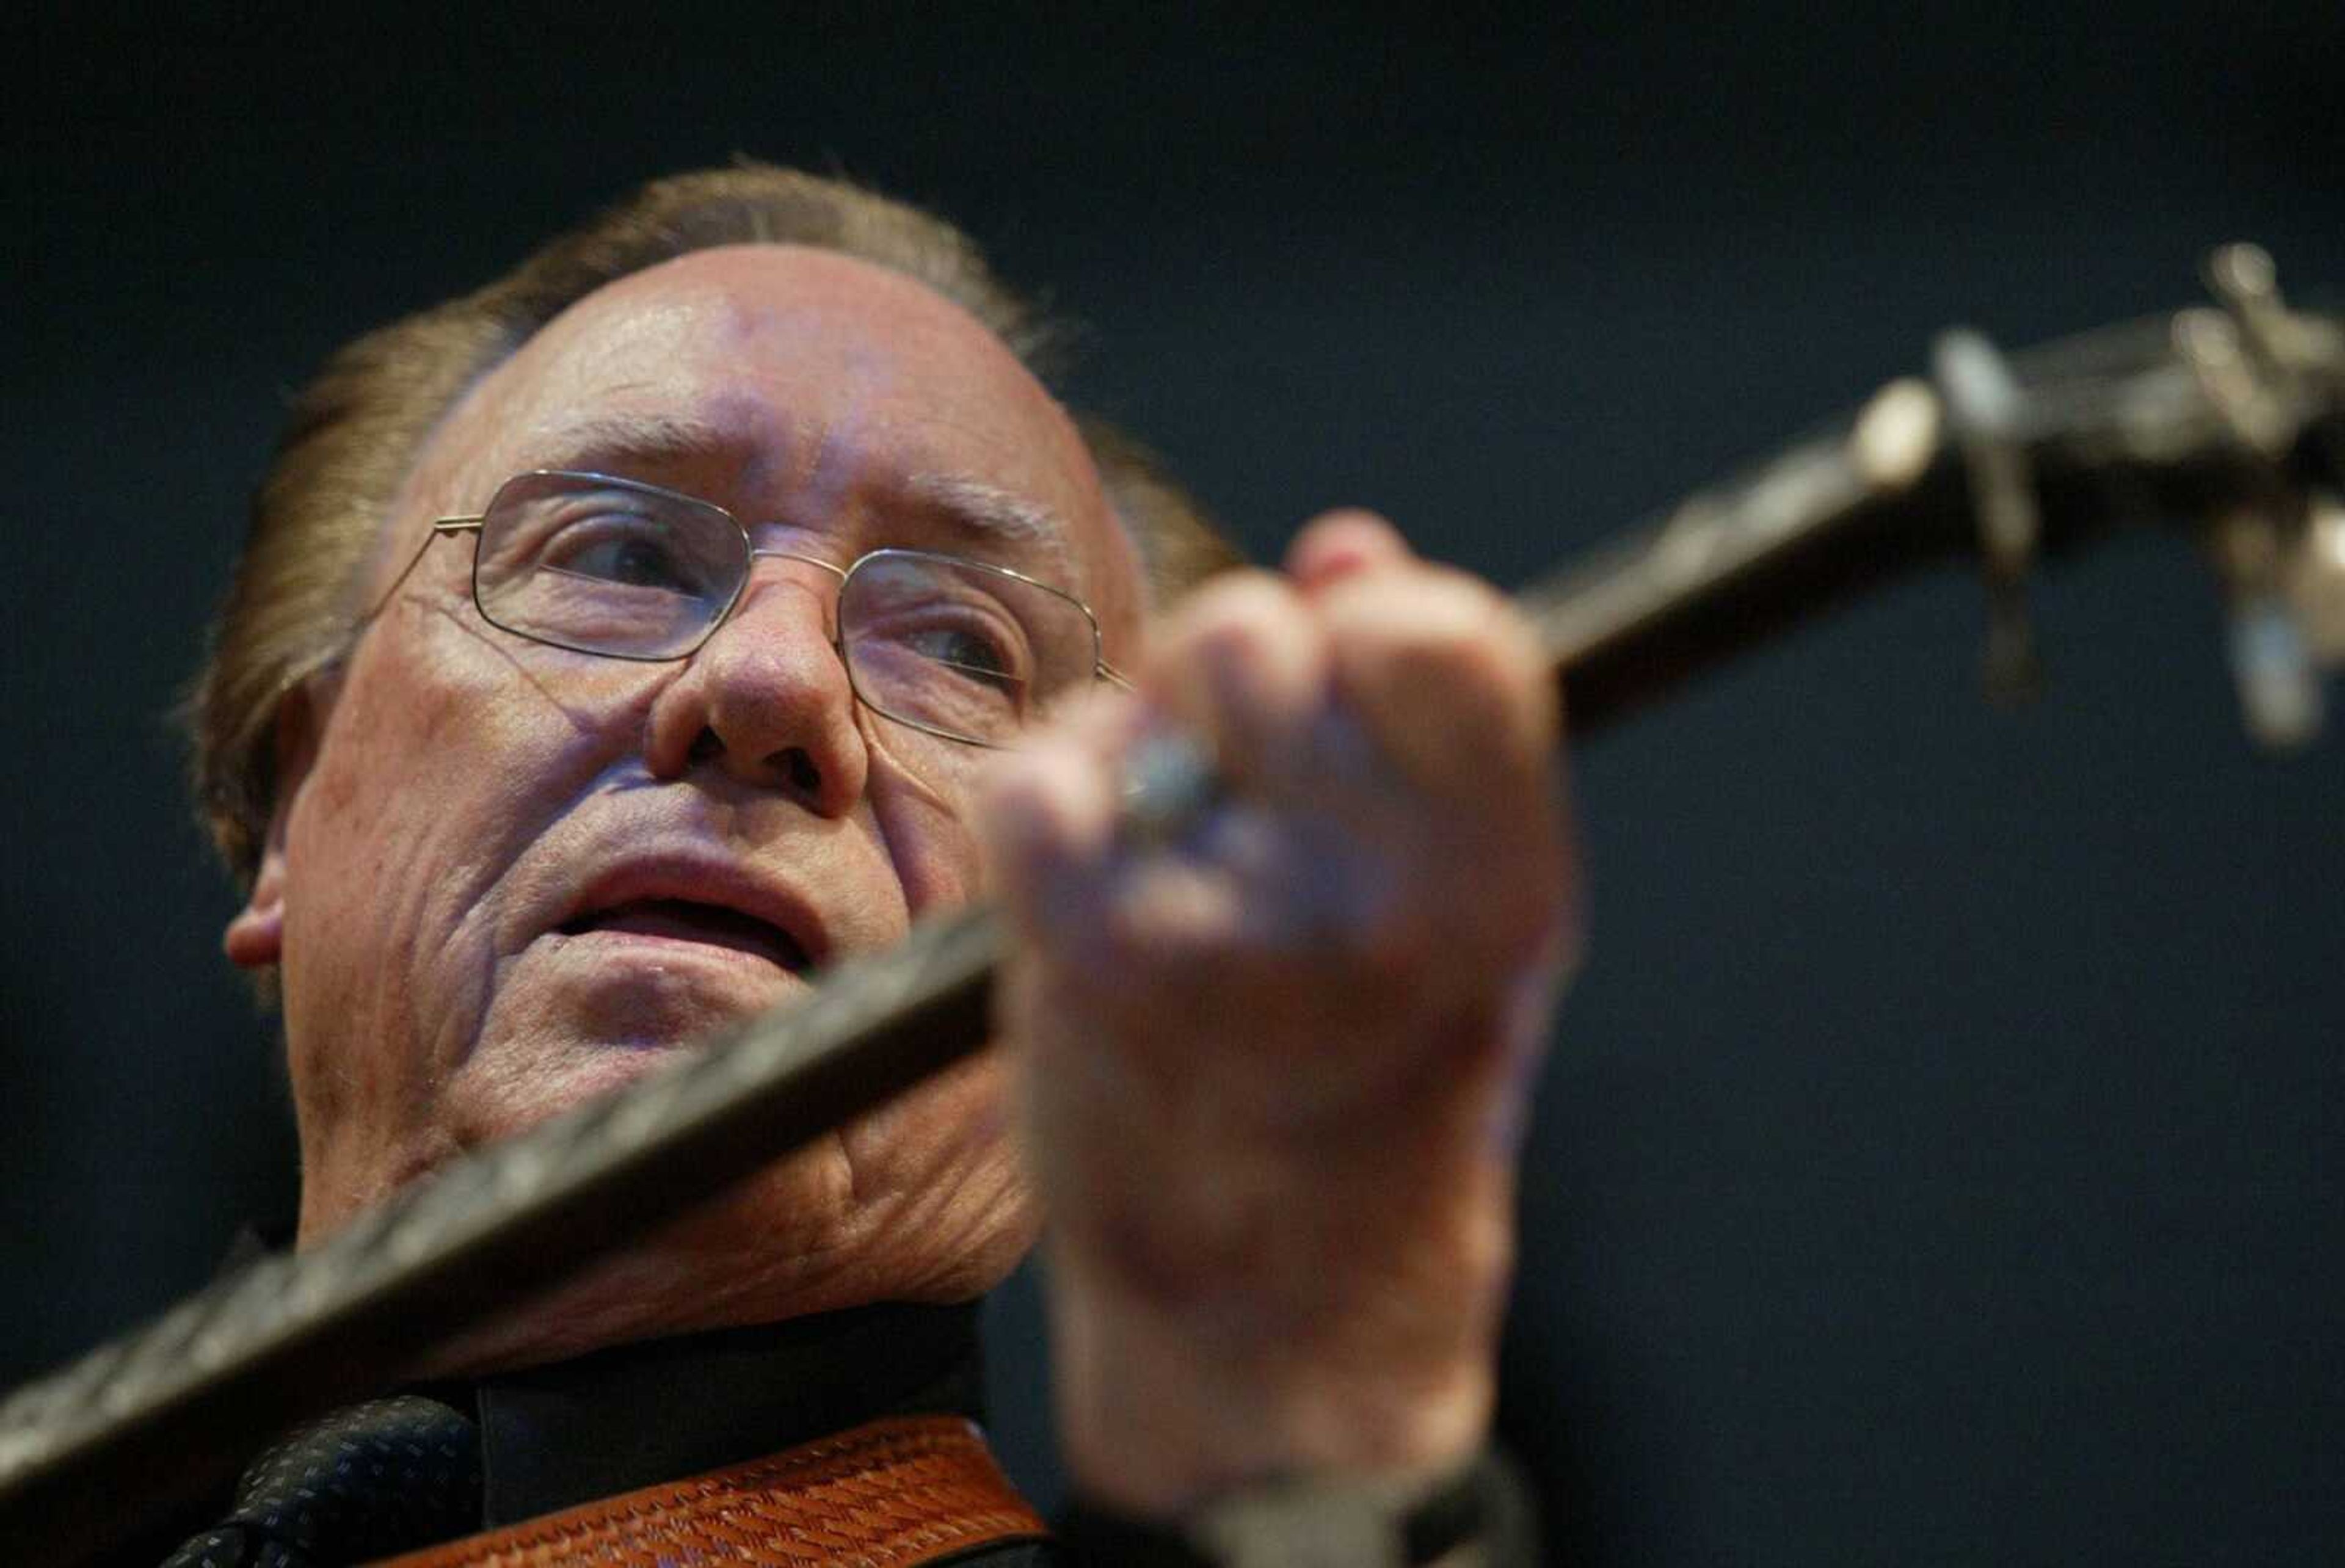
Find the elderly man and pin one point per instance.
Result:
(777, 604)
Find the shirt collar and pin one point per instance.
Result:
(619, 1419)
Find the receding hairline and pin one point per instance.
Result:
(615, 441)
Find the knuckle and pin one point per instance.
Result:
(1233, 613)
(1248, 668)
(1163, 915)
(1454, 653)
(1424, 619)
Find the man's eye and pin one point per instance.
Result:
(629, 557)
(968, 653)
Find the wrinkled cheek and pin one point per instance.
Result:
(942, 1166)
(348, 1051)
(367, 856)
(923, 794)
(951, 1124)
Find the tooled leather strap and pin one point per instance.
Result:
(904, 1491)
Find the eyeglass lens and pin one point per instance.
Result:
(602, 565)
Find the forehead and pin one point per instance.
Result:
(800, 386)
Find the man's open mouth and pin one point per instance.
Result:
(686, 920)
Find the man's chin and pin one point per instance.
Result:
(510, 1099)
(558, 1038)
(509, 1087)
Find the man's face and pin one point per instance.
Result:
(511, 875)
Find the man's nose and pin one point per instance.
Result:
(766, 699)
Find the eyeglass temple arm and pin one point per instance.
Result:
(440, 528)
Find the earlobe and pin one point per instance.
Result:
(254, 938)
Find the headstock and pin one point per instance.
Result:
(2225, 422)
(2242, 405)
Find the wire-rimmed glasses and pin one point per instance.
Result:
(956, 648)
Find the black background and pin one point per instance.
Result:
(1935, 1162)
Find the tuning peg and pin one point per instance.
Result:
(2243, 276)
(2279, 689)
(2315, 575)
(1983, 402)
(2270, 371)
(2244, 280)
(2275, 665)
(2237, 380)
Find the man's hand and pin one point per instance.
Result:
(1274, 1071)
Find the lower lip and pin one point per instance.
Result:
(613, 945)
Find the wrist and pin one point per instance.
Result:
(1472, 1514)
(1160, 1410)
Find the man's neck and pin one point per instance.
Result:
(559, 1434)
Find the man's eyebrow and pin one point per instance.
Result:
(987, 514)
(640, 437)
(991, 513)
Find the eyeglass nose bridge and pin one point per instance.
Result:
(833, 630)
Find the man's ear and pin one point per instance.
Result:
(255, 939)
